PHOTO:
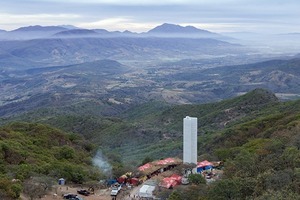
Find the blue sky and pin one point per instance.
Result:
(265, 16)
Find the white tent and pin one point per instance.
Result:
(146, 191)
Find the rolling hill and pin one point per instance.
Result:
(154, 121)
(76, 33)
(64, 51)
(116, 87)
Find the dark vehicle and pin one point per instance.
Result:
(83, 192)
(72, 197)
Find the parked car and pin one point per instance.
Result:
(72, 197)
(83, 192)
(115, 189)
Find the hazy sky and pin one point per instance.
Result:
(272, 16)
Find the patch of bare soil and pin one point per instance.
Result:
(99, 194)
(59, 191)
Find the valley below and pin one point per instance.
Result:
(117, 86)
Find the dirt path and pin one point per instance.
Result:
(133, 193)
(102, 194)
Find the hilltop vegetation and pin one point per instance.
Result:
(39, 152)
(262, 157)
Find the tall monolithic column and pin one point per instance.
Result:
(190, 127)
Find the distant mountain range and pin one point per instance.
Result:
(285, 43)
(37, 46)
(164, 30)
(72, 50)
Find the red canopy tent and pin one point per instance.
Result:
(134, 181)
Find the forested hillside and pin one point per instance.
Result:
(261, 157)
(37, 154)
(153, 129)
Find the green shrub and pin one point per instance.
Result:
(196, 179)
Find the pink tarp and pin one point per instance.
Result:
(145, 166)
(165, 161)
(176, 178)
(204, 164)
(168, 182)
(155, 163)
(171, 181)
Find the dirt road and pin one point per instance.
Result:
(102, 194)
(58, 193)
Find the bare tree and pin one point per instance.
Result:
(36, 187)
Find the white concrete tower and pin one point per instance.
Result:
(190, 140)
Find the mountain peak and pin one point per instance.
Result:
(177, 29)
(259, 96)
(39, 28)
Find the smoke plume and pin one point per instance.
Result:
(101, 161)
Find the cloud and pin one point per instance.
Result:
(220, 3)
(11, 21)
(129, 2)
(214, 27)
(118, 23)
